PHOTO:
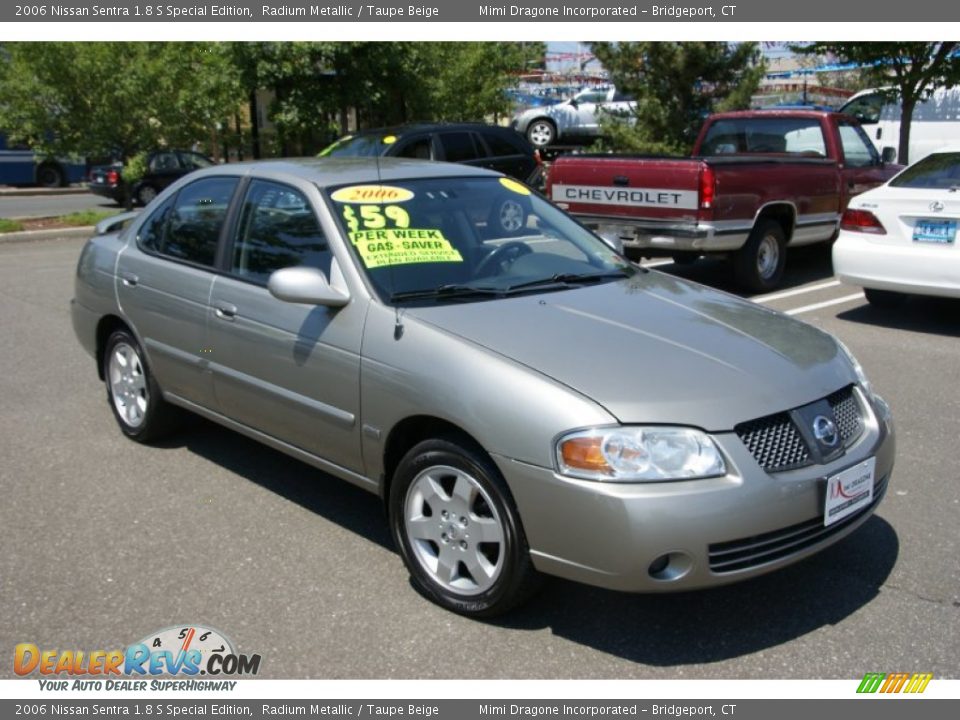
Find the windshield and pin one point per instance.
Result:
(447, 239)
(937, 171)
(356, 146)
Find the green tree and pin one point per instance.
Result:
(676, 85)
(109, 98)
(912, 70)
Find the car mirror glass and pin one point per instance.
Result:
(306, 285)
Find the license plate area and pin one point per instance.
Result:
(938, 232)
(849, 491)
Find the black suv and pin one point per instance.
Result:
(488, 146)
(163, 167)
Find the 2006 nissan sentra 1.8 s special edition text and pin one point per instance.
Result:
(525, 400)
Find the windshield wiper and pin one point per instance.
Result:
(567, 279)
(445, 291)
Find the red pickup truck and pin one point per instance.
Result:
(758, 182)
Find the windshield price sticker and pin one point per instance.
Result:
(375, 217)
(403, 246)
(378, 194)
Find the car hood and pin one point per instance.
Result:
(657, 349)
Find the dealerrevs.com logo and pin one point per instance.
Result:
(184, 651)
(894, 682)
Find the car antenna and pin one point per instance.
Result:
(397, 324)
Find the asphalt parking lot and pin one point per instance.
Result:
(105, 541)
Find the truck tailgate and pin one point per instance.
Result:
(627, 187)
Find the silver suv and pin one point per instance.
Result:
(573, 120)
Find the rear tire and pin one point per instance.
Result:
(458, 531)
(884, 299)
(760, 263)
(134, 396)
(50, 176)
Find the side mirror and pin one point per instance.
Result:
(888, 155)
(115, 223)
(305, 285)
(573, 103)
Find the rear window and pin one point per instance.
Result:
(937, 171)
(795, 136)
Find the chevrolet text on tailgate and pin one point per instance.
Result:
(758, 181)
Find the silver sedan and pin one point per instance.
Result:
(524, 399)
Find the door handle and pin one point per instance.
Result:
(225, 311)
(129, 279)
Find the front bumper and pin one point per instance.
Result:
(609, 534)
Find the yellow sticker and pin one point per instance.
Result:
(403, 246)
(389, 139)
(516, 187)
(381, 194)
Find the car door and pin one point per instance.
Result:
(164, 277)
(861, 168)
(585, 117)
(291, 371)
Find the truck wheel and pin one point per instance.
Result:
(759, 264)
(49, 176)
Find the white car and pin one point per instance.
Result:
(901, 238)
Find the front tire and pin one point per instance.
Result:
(134, 396)
(760, 263)
(458, 531)
(541, 133)
(146, 193)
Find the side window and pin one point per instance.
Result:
(193, 229)
(498, 146)
(153, 231)
(857, 149)
(458, 146)
(277, 229)
(164, 161)
(866, 109)
(418, 148)
(194, 161)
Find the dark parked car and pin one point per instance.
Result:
(163, 167)
(487, 146)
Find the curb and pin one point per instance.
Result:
(54, 234)
(28, 192)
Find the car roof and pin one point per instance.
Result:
(330, 171)
(773, 112)
(429, 127)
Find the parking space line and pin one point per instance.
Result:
(826, 303)
(796, 291)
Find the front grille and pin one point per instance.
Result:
(751, 552)
(777, 445)
(774, 442)
(846, 412)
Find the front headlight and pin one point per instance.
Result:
(857, 369)
(628, 454)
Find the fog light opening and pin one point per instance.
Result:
(670, 566)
